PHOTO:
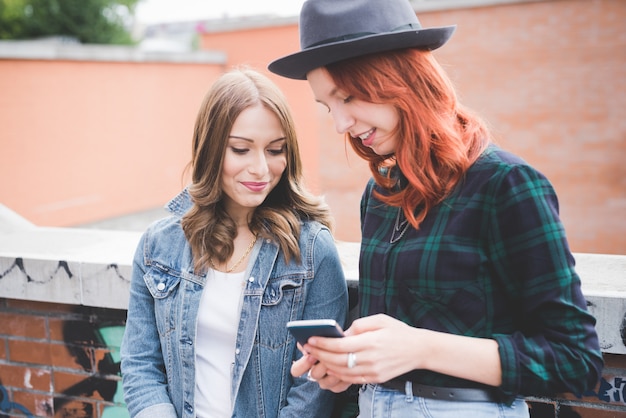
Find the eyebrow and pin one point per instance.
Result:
(282, 138)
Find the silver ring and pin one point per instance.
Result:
(351, 360)
(309, 377)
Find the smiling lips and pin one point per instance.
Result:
(367, 138)
(255, 186)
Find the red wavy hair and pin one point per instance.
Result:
(439, 139)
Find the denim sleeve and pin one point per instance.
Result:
(326, 297)
(556, 347)
(164, 410)
(142, 367)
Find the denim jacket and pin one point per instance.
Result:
(158, 348)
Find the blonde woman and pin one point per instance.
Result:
(246, 250)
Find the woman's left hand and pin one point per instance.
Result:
(317, 372)
(374, 350)
(378, 348)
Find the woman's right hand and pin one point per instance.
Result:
(316, 372)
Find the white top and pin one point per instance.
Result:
(218, 321)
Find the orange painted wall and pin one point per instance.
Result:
(549, 77)
(84, 141)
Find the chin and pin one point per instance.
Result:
(253, 203)
(379, 150)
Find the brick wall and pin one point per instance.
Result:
(63, 361)
(607, 400)
(60, 360)
(549, 77)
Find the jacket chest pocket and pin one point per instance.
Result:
(164, 286)
(281, 299)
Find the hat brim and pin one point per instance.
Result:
(297, 65)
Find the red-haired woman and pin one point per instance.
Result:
(469, 300)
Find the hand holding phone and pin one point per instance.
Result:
(302, 330)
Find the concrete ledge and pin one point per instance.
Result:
(93, 268)
(420, 6)
(51, 50)
(435, 5)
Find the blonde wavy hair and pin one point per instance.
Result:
(207, 226)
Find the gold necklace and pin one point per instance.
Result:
(229, 270)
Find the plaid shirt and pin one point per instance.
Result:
(491, 261)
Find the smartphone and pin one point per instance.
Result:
(305, 328)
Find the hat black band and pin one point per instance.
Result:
(362, 34)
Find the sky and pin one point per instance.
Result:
(160, 11)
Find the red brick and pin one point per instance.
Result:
(615, 361)
(582, 412)
(55, 326)
(3, 348)
(61, 357)
(25, 377)
(36, 403)
(20, 325)
(16, 304)
(64, 380)
(21, 351)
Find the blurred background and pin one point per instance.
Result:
(98, 100)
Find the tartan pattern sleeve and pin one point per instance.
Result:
(491, 261)
(555, 348)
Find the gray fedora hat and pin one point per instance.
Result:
(334, 30)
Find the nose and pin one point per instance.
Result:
(258, 164)
(343, 120)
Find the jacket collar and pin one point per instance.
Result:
(180, 204)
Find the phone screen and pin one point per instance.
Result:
(304, 329)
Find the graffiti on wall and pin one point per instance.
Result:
(6, 406)
(80, 337)
(71, 282)
(610, 391)
(614, 391)
(18, 264)
(107, 335)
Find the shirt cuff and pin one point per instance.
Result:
(511, 374)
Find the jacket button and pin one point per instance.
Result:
(237, 351)
(161, 286)
(251, 279)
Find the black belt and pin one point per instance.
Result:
(447, 394)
